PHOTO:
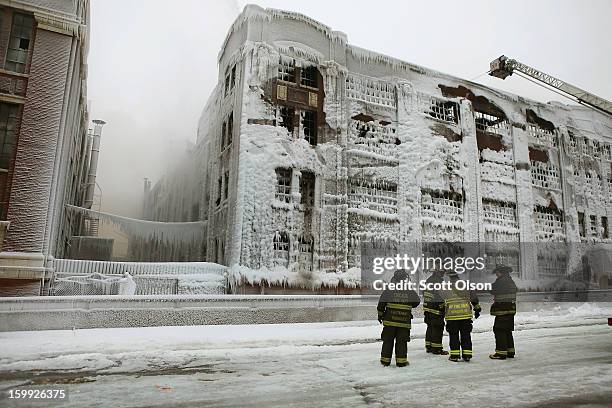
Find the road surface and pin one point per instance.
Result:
(564, 358)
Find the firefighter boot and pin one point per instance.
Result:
(497, 356)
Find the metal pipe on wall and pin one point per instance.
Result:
(93, 162)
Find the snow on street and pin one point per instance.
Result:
(564, 358)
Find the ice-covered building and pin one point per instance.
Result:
(309, 145)
(44, 148)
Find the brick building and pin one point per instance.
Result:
(44, 143)
(309, 146)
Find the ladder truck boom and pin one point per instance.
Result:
(503, 67)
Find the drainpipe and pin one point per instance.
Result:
(93, 162)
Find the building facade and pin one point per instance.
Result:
(309, 146)
(44, 143)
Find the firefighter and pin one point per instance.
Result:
(503, 308)
(433, 307)
(395, 313)
(458, 314)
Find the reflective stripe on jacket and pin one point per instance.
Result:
(432, 301)
(395, 307)
(504, 296)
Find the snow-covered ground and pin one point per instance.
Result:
(564, 358)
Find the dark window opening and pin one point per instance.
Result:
(227, 82)
(309, 124)
(593, 225)
(226, 184)
(307, 188)
(219, 190)
(223, 132)
(287, 114)
(309, 77)
(604, 226)
(445, 111)
(581, 227)
(286, 69)
(9, 115)
(230, 128)
(233, 77)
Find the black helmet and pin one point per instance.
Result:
(503, 269)
(400, 275)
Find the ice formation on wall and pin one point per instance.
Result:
(334, 145)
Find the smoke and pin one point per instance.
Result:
(153, 63)
(152, 66)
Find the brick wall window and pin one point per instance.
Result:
(9, 116)
(19, 43)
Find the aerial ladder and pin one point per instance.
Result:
(503, 67)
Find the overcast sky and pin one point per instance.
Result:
(153, 63)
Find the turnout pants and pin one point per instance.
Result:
(435, 328)
(460, 338)
(504, 341)
(398, 336)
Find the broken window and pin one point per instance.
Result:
(219, 189)
(286, 69)
(280, 245)
(223, 133)
(500, 214)
(489, 123)
(548, 224)
(227, 84)
(370, 90)
(309, 76)
(374, 138)
(593, 226)
(307, 188)
(604, 226)
(377, 195)
(441, 216)
(444, 111)
(545, 175)
(309, 126)
(581, 226)
(283, 185)
(286, 115)
(19, 42)
(230, 128)
(541, 136)
(444, 205)
(226, 184)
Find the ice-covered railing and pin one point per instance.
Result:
(137, 268)
(166, 232)
(151, 278)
